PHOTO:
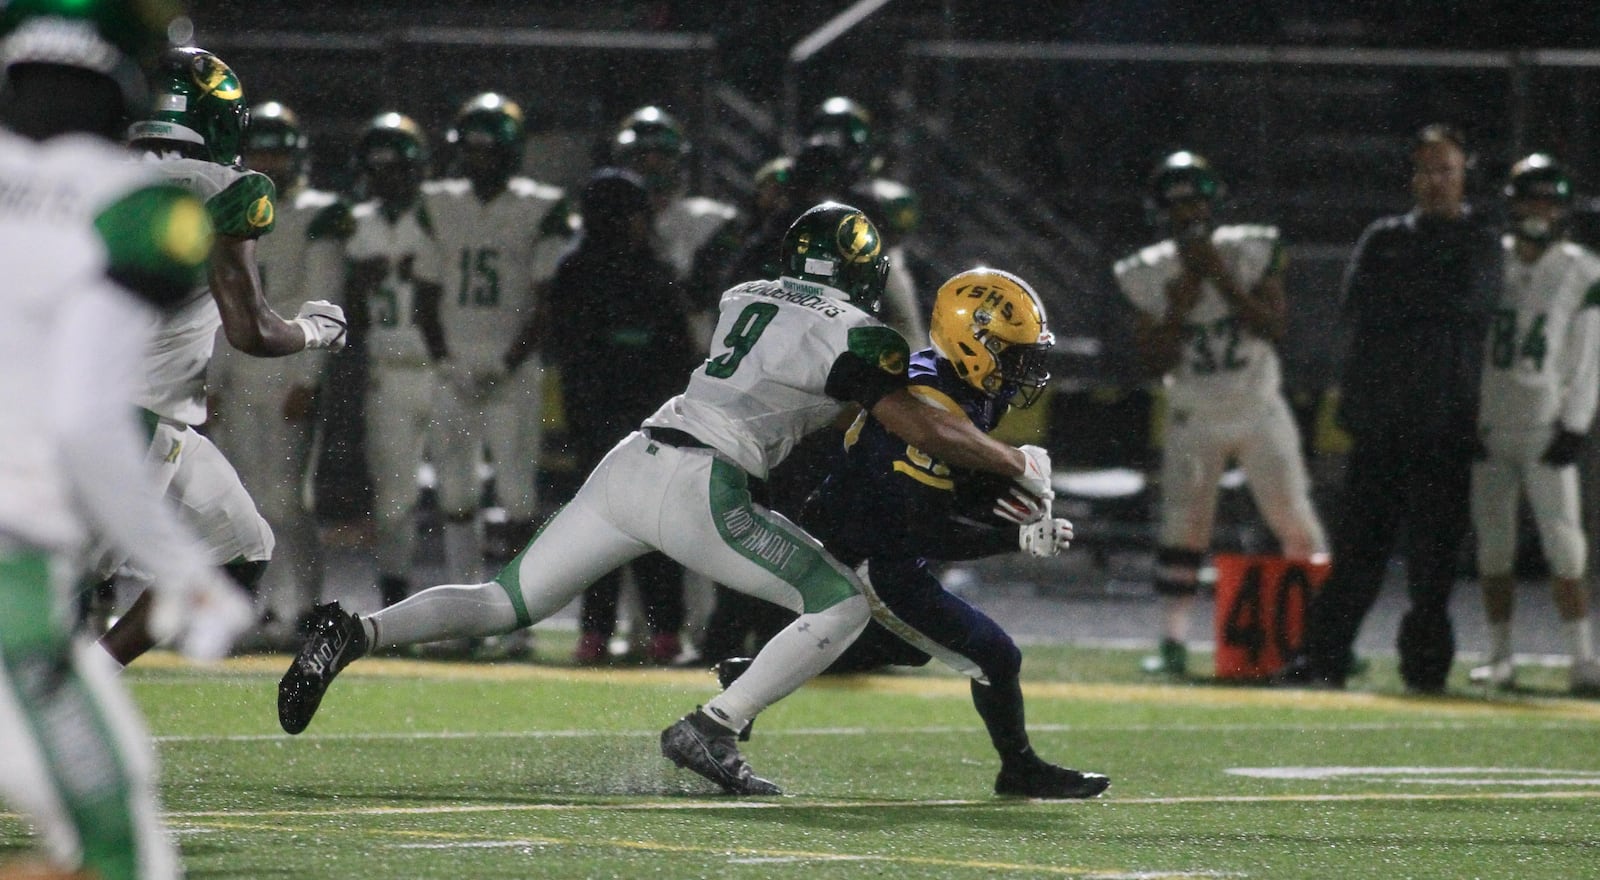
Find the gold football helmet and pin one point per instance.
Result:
(991, 325)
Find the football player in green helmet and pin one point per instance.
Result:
(489, 138)
(192, 138)
(93, 248)
(1182, 194)
(843, 123)
(400, 319)
(497, 236)
(276, 145)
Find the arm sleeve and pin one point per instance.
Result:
(1582, 373)
(874, 365)
(96, 350)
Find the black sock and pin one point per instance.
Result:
(1000, 706)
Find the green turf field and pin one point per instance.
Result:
(424, 770)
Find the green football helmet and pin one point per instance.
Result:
(275, 128)
(649, 130)
(1182, 176)
(837, 247)
(1539, 176)
(389, 138)
(199, 102)
(491, 119)
(843, 123)
(115, 38)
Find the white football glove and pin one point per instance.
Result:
(324, 325)
(1047, 537)
(203, 617)
(1035, 477)
(1019, 507)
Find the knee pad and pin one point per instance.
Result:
(1178, 571)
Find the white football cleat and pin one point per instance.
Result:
(1497, 674)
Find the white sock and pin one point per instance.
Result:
(451, 611)
(463, 551)
(1175, 617)
(1499, 641)
(1578, 635)
(792, 658)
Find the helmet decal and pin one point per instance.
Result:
(858, 240)
(215, 78)
(259, 214)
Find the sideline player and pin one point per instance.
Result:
(497, 237)
(889, 510)
(91, 245)
(265, 407)
(193, 139)
(401, 331)
(791, 356)
(1537, 403)
(1211, 308)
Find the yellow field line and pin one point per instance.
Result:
(725, 851)
(1213, 696)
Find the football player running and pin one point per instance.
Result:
(91, 246)
(790, 356)
(401, 329)
(497, 237)
(890, 510)
(1210, 310)
(265, 407)
(193, 139)
(1537, 402)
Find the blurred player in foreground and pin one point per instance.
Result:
(91, 246)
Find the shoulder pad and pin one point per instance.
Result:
(334, 221)
(560, 221)
(157, 240)
(246, 208)
(881, 345)
(453, 188)
(1242, 232)
(528, 188)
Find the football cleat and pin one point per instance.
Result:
(1496, 674)
(727, 671)
(336, 639)
(1171, 660)
(1584, 680)
(1038, 778)
(698, 743)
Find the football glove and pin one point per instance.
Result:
(203, 617)
(1047, 537)
(1016, 506)
(1035, 477)
(1563, 449)
(324, 325)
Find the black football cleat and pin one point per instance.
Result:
(702, 745)
(1042, 779)
(336, 638)
(727, 671)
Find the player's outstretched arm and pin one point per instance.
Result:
(949, 437)
(249, 324)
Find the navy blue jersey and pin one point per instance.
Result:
(893, 503)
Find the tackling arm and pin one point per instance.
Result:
(949, 437)
(249, 323)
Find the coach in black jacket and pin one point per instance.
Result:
(1418, 294)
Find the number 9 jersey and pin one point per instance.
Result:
(817, 355)
(1222, 361)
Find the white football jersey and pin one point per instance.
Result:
(763, 388)
(241, 204)
(393, 337)
(489, 257)
(50, 196)
(684, 227)
(1542, 360)
(1222, 361)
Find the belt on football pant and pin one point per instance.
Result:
(675, 437)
